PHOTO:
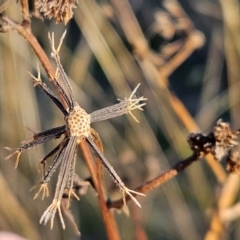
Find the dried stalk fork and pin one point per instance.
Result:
(76, 129)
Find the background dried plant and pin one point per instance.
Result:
(108, 49)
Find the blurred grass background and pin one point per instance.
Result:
(108, 50)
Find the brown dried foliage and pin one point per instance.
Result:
(156, 67)
(60, 10)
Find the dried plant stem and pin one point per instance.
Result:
(131, 27)
(108, 217)
(225, 200)
(25, 11)
(139, 43)
(128, 21)
(230, 214)
(159, 180)
(194, 41)
(140, 231)
(230, 11)
(25, 32)
(136, 38)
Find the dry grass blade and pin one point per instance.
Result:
(111, 47)
(5, 5)
(108, 217)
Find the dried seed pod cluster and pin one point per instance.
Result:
(233, 160)
(61, 10)
(221, 143)
(200, 143)
(224, 139)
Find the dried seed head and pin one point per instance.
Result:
(233, 160)
(224, 139)
(76, 129)
(200, 143)
(219, 142)
(61, 10)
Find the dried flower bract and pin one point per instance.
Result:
(224, 139)
(221, 143)
(233, 160)
(61, 10)
(200, 143)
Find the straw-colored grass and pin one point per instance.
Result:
(106, 53)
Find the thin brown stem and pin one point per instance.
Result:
(108, 217)
(195, 40)
(159, 180)
(140, 231)
(25, 11)
(27, 34)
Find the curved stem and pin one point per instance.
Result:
(159, 180)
